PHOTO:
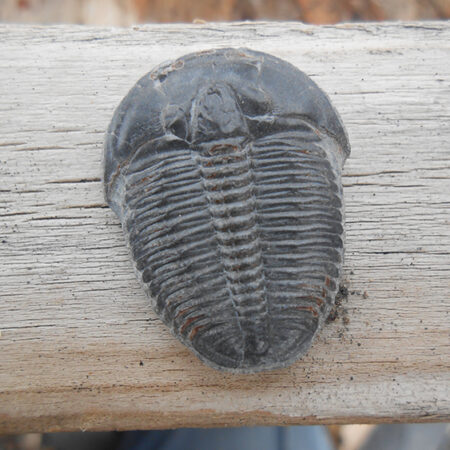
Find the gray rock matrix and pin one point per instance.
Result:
(224, 167)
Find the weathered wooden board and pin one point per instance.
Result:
(79, 346)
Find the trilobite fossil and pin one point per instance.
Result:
(224, 168)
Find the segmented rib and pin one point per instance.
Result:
(299, 201)
(175, 249)
(230, 189)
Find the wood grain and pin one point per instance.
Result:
(79, 346)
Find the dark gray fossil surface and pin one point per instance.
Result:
(224, 167)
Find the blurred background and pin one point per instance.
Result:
(128, 12)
